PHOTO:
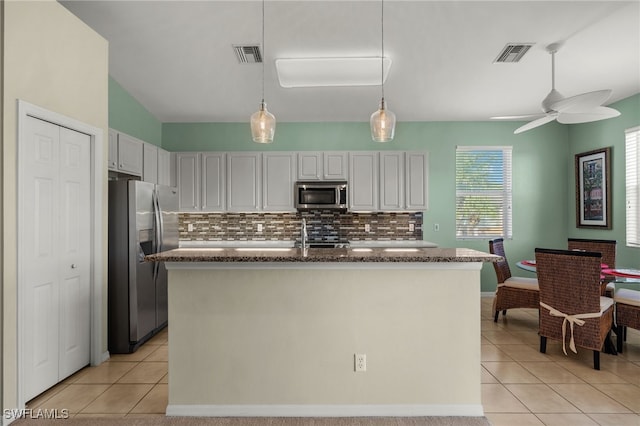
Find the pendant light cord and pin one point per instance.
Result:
(263, 55)
(382, 44)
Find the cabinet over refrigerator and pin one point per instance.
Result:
(143, 219)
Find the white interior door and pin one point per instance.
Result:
(55, 253)
(75, 251)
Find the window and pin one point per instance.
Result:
(483, 192)
(632, 150)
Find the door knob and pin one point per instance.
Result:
(74, 266)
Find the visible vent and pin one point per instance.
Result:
(513, 52)
(248, 54)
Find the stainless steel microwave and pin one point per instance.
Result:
(320, 195)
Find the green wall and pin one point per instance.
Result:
(540, 209)
(543, 166)
(128, 115)
(600, 134)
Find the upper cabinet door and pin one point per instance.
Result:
(244, 182)
(417, 180)
(129, 154)
(363, 181)
(310, 165)
(392, 181)
(164, 167)
(335, 165)
(150, 163)
(278, 177)
(113, 150)
(188, 180)
(213, 181)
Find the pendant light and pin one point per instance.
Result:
(383, 121)
(263, 123)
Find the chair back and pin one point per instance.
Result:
(606, 247)
(502, 267)
(569, 280)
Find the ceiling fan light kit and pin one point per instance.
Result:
(582, 108)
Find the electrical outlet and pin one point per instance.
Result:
(367, 227)
(436, 227)
(259, 227)
(360, 362)
(412, 227)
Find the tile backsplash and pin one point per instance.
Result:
(322, 226)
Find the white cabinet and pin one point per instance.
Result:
(309, 165)
(200, 178)
(392, 181)
(188, 181)
(278, 178)
(416, 180)
(318, 165)
(150, 163)
(244, 182)
(335, 165)
(213, 179)
(113, 150)
(129, 155)
(125, 153)
(164, 167)
(363, 181)
(388, 181)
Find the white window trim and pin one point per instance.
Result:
(632, 186)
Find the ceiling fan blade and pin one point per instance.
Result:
(596, 114)
(535, 123)
(584, 102)
(517, 117)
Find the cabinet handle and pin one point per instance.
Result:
(74, 266)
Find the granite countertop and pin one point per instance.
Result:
(282, 254)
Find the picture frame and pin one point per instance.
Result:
(593, 189)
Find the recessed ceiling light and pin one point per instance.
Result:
(324, 72)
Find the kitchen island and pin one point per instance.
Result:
(274, 332)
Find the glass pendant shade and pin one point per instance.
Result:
(383, 124)
(263, 125)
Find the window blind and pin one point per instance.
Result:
(632, 167)
(483, 192)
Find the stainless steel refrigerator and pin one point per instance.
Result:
(143, 219)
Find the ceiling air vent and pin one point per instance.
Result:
(513, 52)
(248, 54)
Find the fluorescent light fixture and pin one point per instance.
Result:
(324, 72)
(399, 250)
(361, 249)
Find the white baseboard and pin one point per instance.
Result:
(487, 293)
(458, 410)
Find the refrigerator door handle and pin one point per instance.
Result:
(157, 227)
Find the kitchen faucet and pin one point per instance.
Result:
(303, 234)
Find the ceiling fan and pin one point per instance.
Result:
(582, 108)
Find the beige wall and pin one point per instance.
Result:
(53, 60)
(264, 340)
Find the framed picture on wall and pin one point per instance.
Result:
(593, 189)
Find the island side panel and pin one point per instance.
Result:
(282, 337)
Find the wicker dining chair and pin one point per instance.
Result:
(627, 313)
(511, 292)
(608, 250)
(571, 307)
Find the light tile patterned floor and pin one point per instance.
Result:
(520, 386)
